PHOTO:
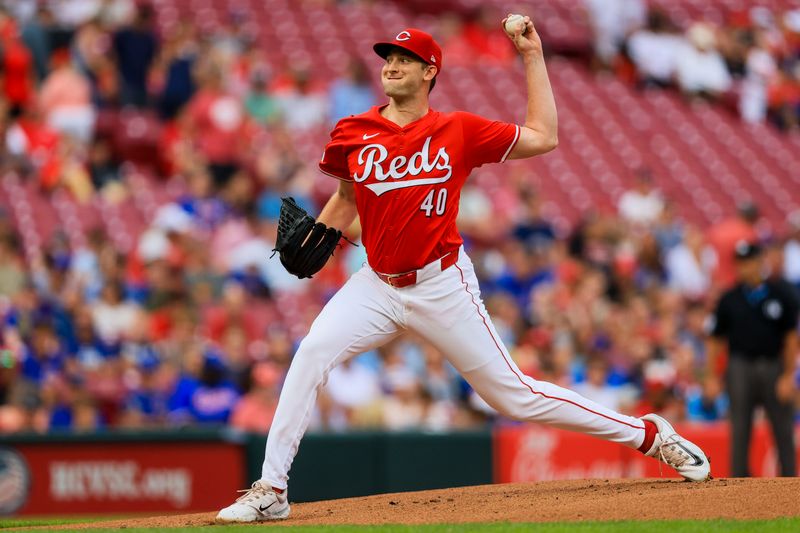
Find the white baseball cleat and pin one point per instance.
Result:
(258, 503)
(683, 455)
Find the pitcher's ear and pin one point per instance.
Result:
(428, 70)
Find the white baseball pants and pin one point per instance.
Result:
(445, 308)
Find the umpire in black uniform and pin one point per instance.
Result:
(757, 319)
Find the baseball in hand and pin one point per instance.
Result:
(514, 23)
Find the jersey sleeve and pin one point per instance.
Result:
(334, 157)
(487, 141)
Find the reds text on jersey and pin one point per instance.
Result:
(408, 179)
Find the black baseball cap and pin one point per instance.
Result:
(746, 250)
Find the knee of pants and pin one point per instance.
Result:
(509, 411)
(518, 412)
(508, 407)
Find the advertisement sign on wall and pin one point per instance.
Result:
(75, 478)
(538, 453)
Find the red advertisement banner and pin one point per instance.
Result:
(115, 478)
(538, 453)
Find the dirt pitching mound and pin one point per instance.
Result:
(556, 501)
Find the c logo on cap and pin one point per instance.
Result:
(403, 36)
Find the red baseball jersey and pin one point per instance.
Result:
(408, 179)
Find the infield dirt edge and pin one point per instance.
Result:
(552, 501)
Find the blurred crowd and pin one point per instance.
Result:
(196, 323)
(750, 61)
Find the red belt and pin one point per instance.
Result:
(410, 278)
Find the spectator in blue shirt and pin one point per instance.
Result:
(136, 48)
(207, 399)
(527, 269)
(352, 94)
(146, 404)
(42, 355)
(705, 403)
(177, 60)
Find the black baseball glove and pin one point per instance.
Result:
(303, 243)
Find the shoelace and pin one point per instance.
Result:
(255, 491)
(673, 455)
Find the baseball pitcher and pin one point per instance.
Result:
(401, 168)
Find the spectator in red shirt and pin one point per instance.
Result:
(783, 100)
(216, 121)
(65, 99)
(724, 236)
(17, 62)
(488, 45)
(234, 309)
(256, 409)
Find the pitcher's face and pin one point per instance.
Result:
(404, 75)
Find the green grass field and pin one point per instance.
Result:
(709, 526)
